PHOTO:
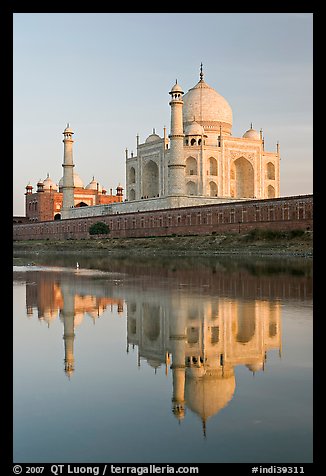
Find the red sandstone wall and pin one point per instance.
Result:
(286, 213)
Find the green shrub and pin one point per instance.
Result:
(99, 228)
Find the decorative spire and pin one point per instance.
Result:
(251, 125)
(201, 75)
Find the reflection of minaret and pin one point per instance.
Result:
(178, 349)
(67, 313)
(68, 173)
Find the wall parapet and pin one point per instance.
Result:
(282, 213)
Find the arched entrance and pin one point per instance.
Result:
(212, 189)
(244, 178)
(150, 180)
(212, 166)
(132, 194)
(270, 191)
(191, 188)
(132, 175)
(191, 166)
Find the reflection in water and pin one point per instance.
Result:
(205, 340)
(199, 334)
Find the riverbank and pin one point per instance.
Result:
(256, 243)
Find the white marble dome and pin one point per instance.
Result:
(94, 185)
(68, 130)
(48, 184)
(77, 181)
(206, 105)
(152, 138)
(251, 134)
(176, 88)
(194, 129)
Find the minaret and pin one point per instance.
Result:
(176, 165)
(68, 173)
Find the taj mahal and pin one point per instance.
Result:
(198, 163)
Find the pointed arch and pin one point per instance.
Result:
(213, 189)
(212, 166)
(132, 194)
(270, 171)
(132, 175)
(191, 166)
(150, 180)
(191, 188)
(244, 178)
(270, 191)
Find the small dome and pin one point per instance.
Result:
(251, 134)
(48, 184)
(176, 88)
(256, 366)
(94, 185)
(68, 130)
(77, 181)
(152, 138)
(194, 129)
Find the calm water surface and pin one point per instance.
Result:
(173, 360)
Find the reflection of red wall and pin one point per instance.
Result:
(45, 294)
(285, 213)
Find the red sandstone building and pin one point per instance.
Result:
(46, 203)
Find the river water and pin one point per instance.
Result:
(176, 360)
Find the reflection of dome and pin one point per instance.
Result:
(48, 184)
(154, 363)
(256, 366)
(251, 134)
(77, 181)
(207, 106)
(94, 185)
(206, 396)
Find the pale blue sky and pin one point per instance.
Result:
(109, 75)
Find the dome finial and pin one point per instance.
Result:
(201, 75)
